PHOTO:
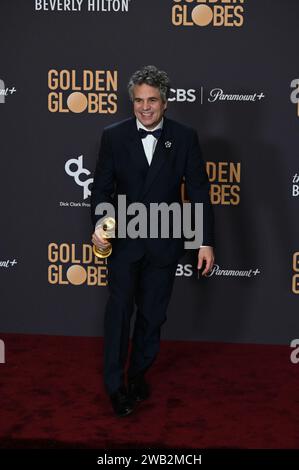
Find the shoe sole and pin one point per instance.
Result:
(123, 415)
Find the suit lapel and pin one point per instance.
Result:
(137, 155)
(161, 155)
(136, 150)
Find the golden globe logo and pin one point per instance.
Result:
(76, 265)
(225, 183)
(226, 13)
(93, 91)
(295, 280)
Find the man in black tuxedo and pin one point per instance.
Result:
(145, 158)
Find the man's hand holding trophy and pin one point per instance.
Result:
(102, 248)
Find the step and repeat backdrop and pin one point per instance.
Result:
(234, 70)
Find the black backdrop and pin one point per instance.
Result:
(232, 81)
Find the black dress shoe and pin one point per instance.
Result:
(121, 403)
(138, 389)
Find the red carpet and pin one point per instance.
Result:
(204, 396)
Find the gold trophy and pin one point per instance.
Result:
(108, 227)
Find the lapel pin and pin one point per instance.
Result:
(168, 144)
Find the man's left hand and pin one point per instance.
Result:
(206, 253)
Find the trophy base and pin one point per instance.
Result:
(102, 253)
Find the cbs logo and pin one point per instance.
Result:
(184, 270)
(181, 95)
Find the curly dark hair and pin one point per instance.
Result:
(150, 75)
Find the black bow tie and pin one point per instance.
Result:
(144, 133)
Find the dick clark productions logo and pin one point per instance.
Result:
(225, 13)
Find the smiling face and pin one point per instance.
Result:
(149, 107)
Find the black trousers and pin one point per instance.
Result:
(149, 287)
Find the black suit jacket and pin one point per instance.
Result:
(122, 168)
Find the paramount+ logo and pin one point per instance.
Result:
(91, 91)
(216, 13)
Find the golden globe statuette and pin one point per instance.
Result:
(108, 227)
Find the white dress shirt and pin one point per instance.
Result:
(149, 142)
